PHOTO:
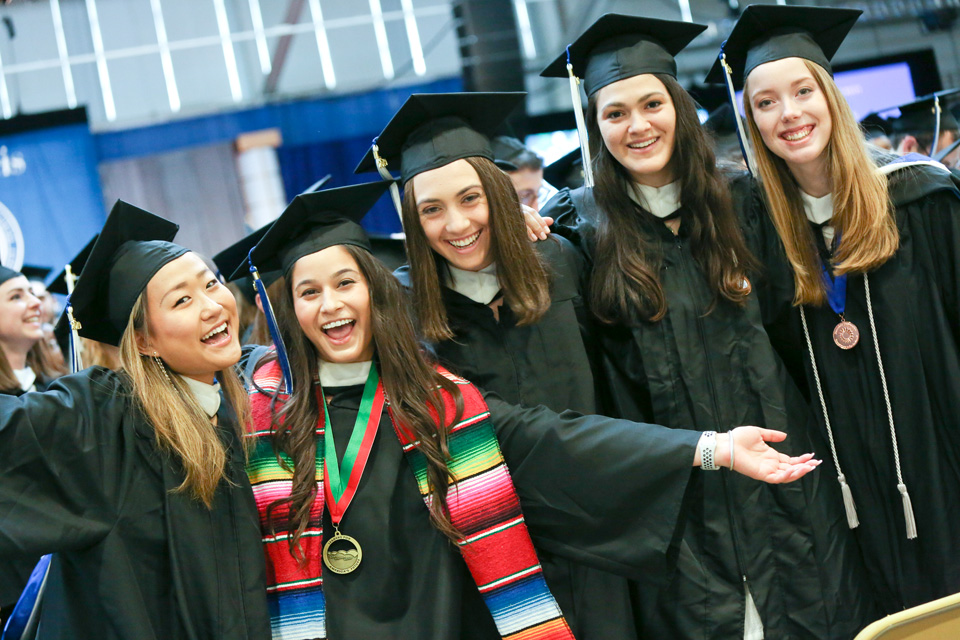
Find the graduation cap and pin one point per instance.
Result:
(875, 125)
(311, 223)
(132, 246)
(506, 150)
(765, 33)
(232, 263)
(66, 279)
(566, 171)
(7, 274)
(433, 129)
(619, 46)
(35, 273)
(614, 48)
(928, 113)
(722, 120)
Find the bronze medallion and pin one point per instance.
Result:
(342, 554)
(846, 335)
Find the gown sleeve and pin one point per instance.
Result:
(602, 492)
(58, 455)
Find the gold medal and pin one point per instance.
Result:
(342, 554)
(845, 334)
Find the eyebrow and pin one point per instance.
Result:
(642, 98)
(339, 273)
(459, 193)
(800, 80)
(183, 285)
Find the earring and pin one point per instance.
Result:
(163, 368)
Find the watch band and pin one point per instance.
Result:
(708, 449)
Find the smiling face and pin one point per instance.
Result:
(191, 320)
(791, 113)
(638, 122)
(21, 326)
(453, 211)
(331, 299)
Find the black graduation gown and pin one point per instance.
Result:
(717, 370)
(550, 363)
(80, 477)
(916, 305)
(600, 490)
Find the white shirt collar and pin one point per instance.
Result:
(480, 286)
(818, 211)
(660, 201)
(343, 374)
(26, 377)
(206, 395)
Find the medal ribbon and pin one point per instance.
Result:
(339, 494)
(836, 286)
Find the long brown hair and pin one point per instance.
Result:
(862, 216)
(410, 383)
(520, 270)
(180, 425)
(625, 282)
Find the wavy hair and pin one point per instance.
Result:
(625, 283)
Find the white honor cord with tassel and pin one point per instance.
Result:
(394, 189)
(848, 504)
(581, 126)
(901, 487)
(741, 134)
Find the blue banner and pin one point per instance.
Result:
(49, 188)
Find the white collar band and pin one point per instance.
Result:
(206, 395)
(660, 201)
(343, 374)
(480, 286)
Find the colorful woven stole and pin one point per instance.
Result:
(483, 506)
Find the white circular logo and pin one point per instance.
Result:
(11, 240)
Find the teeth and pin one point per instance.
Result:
(222, 327)
(466, 242)
(799, 135)
(335, 324)
(642, 145)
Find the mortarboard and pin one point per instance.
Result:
(562, 172)
(926, 114)
(875, 125)
(132, 246)
(765, 33)
(7, 274)
(614, 48)
(35, 273)
(72, 270)
(506, 150)
(619, 46)
(312, 222)
(722, 120)
(433, 129)
(232, 263)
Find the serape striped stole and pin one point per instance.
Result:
(483, 506)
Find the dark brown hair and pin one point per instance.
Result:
(522, 274)
(625, 284)
(410, 382)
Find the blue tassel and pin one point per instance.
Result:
(272, 325)
(732, 94)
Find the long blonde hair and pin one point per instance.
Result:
(180, 425)
(863, 217)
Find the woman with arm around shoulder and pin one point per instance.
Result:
(391, 511)
(869, 297)
(134, 479)
(671, 268)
